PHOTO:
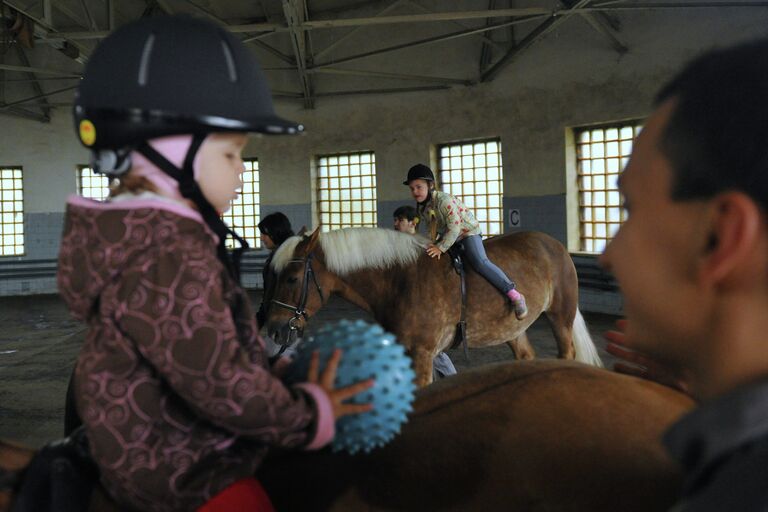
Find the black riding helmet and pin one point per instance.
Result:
(172, 75)
(419, 172)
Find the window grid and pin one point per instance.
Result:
(91, 184)
(346, 190)
(244, 215)
(601, 154)
(473, 172)
(11, 212)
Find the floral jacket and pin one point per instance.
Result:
(172, 382)
(448, 220)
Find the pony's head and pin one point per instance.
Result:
(303, 286)
(311, 267)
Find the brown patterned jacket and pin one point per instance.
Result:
(173, 387)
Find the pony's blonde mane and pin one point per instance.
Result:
(351, 249)
(284, 253)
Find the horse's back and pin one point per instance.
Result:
(532, 256)
(545, 435)
(528, 244)
(542, 270)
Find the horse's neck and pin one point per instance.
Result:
(350, 293)
(368, 289)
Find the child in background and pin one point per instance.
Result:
(405, 221)
(172, 383)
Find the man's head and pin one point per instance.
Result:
(406, 219)
(696, 191)
(274, 229)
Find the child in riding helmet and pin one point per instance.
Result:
(450, 222)
(172, 383)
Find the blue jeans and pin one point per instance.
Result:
(474, 253)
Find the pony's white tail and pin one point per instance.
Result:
(586, 352)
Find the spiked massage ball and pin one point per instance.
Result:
(368, 352)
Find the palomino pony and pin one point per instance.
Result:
(418, 299)
(497, 437)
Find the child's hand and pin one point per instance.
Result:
(433, 251)
(638, 364)
(337, 395)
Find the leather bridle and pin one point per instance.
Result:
(300, 310)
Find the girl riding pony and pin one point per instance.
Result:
(451, 222)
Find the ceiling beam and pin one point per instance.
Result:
(381, 91)
(397, 76)
(91, 20)
(429, 40)
(295, 12)
(355, 30)
(2, 79)
(524, 13)
(240, 29)
(111, 14)
(165, 6)
(38, 78)
(287, 94)
(602, 25)
(610, 19)
(69, 13)
(349, 7)
(43, 103)
(485, 51)
(616, 7)
(37, 97)
(23, 113)
(47, 12)
(535, 35)
(482, 37)
(42, 71)
(428, 17)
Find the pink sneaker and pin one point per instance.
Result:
(518, 304)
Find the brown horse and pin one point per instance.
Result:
(418, 298)
(497, 437)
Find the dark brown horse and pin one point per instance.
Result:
(498, 437)
(417, 298)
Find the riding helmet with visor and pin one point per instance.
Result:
(419, 172)
(172, 75)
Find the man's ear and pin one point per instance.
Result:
(735, 240)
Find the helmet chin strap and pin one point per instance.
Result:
(428, 198)
(189, 189)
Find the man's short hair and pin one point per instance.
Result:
(405, 212)
(717, 135)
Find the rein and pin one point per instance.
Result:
(300, 310)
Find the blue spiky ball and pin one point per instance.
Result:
(368, 352)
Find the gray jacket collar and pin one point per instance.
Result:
(706, 436)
